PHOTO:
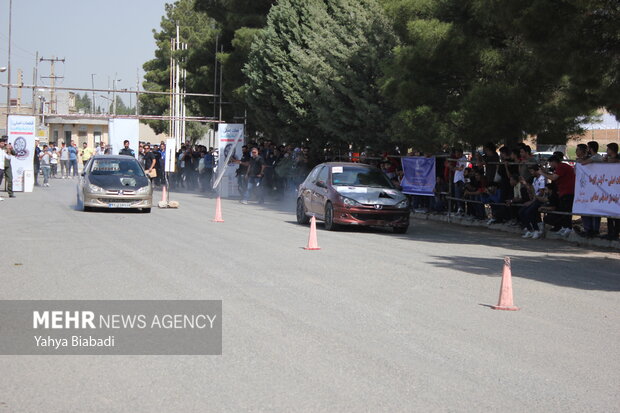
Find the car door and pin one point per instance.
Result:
(319, 196)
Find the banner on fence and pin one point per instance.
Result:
(419, 175)
(597, 189)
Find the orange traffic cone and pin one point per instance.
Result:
(163, 194)
(312, 241)
(218, 210)
(505, 293)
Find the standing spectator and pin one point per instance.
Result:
(563, 176)
(64, 161)
(161, 165)
(438, 202)
(209, 163)
(581, 153)
(36, 162)
(159, 178)
(126, 149)
(86, 153)
(613, 224)
(73, 159)
(490, 160)
(256, 171)
(591, 225)
(459, 178)
(53, 161)
(45, 160)
(6, 153)
(242, 171)
(149, 160)
(525, 161)
(100, 149)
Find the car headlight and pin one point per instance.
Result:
(403, 204)
(350, 202)
(94, 189)
(143, 191)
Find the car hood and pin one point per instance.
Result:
(116, 182)
(371, 196)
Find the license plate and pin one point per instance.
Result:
(119, 205)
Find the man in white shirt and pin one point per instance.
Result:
(459, 178)
(64, 161)
(6, 153)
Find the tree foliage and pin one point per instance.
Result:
(238, 21)
(313, 72)
(199, 31)
(459, 76)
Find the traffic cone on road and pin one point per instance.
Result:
(164, 202)
(218, 210)
(312, 240)
(505, 293)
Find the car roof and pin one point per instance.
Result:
(113, 157)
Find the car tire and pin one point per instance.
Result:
(401, 230)
(329, 218)
(80, 204)
(146, 210)
(302, 218)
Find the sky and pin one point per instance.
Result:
(100, 37)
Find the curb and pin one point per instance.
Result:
(466, 222)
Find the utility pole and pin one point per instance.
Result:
(138, 92)
(221, 84)
(92, 81)
(52, 77)
(35, 78)
(8, 88)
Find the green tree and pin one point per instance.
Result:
(238, 21)
(83, 103)
(459, 77)
(313, 70)
(198, 30)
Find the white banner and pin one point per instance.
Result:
(171, 152)
(121, 130)
(21, 135)
(597, 189)
(230, 136)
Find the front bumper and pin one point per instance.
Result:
(386, 217)
(118, 201)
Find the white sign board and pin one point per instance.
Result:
(230, 138)
(21, 137)
(121, 130)
(171, 151)
(597, 189)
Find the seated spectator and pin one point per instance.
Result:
(493, 195)
(519, 196)
(529, 214)
(551, 202)
(473, 189)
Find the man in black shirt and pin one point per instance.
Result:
(149, 160)
(127, 150)
(242, 171)
(255, 173)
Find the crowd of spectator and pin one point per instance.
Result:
(511, 186)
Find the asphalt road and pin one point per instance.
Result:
(372, 322)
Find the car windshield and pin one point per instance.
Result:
(118, 167)
(359, 176)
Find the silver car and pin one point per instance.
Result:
(114, 181)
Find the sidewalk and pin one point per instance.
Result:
(469, 222)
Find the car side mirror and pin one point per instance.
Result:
(321, 184)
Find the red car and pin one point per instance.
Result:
(340, 193)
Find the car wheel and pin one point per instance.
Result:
(302, 218)
(401, 230)
(146, 210)
(329, 218)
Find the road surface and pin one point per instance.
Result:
(372, 322)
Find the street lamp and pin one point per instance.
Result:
(2, 69)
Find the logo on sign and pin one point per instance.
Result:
(20, 146)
